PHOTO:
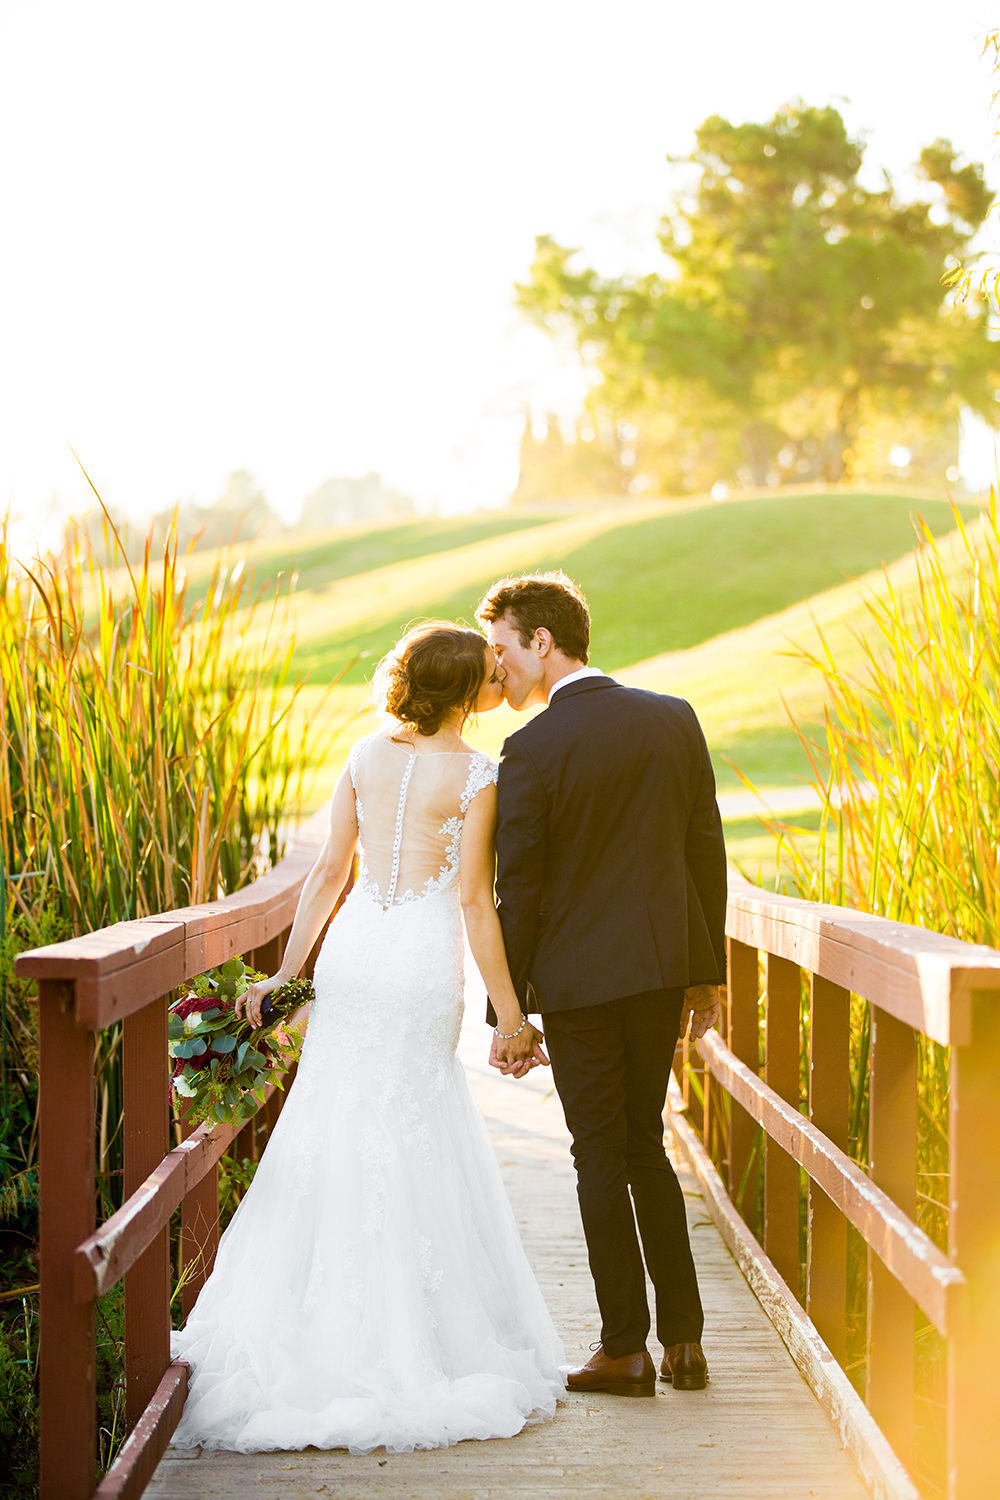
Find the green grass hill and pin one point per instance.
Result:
(699, 598)
(659, 576)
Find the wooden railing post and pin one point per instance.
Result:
(743, 1021)
(829, 1103)
(781, 1073)
(68, 1386)
(892, 1137)
(974, 1108)
(147, 1284)
(267, 958)
(85, 985)
(199, 1231)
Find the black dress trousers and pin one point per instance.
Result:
(611, 1064)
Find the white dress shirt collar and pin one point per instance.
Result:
(576, 676)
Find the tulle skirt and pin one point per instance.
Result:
(371, 1289)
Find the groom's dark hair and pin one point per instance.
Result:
(548, 599)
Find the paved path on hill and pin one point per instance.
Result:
(756, 1431)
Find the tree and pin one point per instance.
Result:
(353, 501)
(799, 307)
(571, 460)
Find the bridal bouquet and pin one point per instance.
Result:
(221, 1062)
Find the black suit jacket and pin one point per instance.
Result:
(611, 866)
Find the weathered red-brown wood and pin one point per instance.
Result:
(147, 1443)
(743, 1016)
(267, 956)
(67, 1386)
(911, 975)
(267, 959)
(105, 1256)
(120, 969)
(923, 978)
(781, 1073)
(147, 1283)
(199, 1231)
(892, 1137)
(974, 1231)
(879, 1467)
(694, 1086)
(927, 1273)
(829, 1102)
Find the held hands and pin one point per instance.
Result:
(517, 1055)
(252, 999)
(703, 1006)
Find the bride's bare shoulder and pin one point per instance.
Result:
(465, 749)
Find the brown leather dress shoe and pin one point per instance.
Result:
(629, 1375)
(685, 1367)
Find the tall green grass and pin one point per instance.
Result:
(147, 761)
(908, 769)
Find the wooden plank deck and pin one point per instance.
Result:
(756, 1431)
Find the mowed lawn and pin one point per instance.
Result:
(703, 599)
(659, 576)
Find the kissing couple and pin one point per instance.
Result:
(371, 1289)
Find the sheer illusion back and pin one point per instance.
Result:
(410, 806)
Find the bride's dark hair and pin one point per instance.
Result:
(435, 668)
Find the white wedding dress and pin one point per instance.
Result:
(371, 1289)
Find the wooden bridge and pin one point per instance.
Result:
(749, 1135)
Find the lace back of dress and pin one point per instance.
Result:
(410, 810)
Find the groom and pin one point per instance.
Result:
(611, 879)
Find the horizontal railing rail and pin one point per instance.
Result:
(793, 969)
(126, 973)
(756, 1122)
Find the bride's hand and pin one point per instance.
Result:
(251, 1001)
(518, 1054)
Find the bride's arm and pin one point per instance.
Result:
(478, 863)
(317, 898)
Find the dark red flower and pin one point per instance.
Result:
(194, 1004)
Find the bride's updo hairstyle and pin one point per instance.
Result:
(434, 669)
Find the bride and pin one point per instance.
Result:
(371, 1289)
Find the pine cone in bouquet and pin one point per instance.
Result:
(221, 1062)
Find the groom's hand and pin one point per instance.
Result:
(703, 1007)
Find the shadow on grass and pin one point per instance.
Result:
(321, 558)
(669, 581)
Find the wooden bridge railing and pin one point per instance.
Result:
(749, 1088)
(127, 973)
(751, 1107)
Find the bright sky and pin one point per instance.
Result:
(283, 237)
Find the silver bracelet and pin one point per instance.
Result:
(508, 1036)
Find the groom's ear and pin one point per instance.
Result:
(542, 640)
